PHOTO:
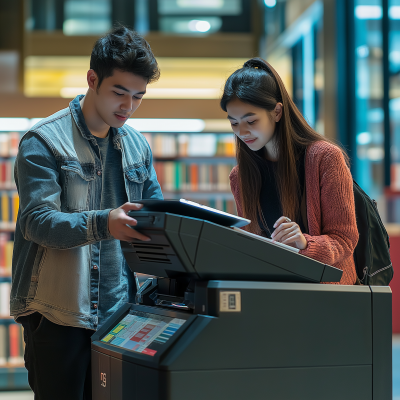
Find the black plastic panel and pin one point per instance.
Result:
(326, 383)
(382, 342)
(101, 376)
(280, 325)
(189, 233)
(331, 274)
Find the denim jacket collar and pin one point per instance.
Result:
(76, 110)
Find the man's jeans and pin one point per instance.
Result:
(57, 359)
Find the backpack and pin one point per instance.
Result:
(371, 255)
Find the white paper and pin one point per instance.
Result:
(264, 239)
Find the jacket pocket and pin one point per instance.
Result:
(135, 178)
(77, 181)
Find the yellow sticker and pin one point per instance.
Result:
(107, 338)
(118, 328)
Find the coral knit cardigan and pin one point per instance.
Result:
(333, 233)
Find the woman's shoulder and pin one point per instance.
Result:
(233, 176)
(325, 152)
(323, 148)
(327, 158)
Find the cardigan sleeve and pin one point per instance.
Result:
(234, 182)
(339, 234)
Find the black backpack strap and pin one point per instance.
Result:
(303, 204)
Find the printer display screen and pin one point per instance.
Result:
(143, 332)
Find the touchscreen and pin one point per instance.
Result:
(143, 332)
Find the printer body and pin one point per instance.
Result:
(225, 315)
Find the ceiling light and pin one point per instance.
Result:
(394, 12)
(368, 12)
(14, 124)
(183, 93)
(199, 26)
(270, 3)
(166, 124)
(364, 138)
(200, 3)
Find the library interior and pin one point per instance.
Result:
(340, 63)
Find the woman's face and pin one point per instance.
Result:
(253, 125)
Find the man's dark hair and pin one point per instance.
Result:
(126, 50)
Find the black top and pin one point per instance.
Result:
(269, 197)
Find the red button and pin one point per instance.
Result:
(95, 305)
(99, 173)
(95, 266)
(149, 352)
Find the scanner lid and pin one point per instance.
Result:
(194, 210)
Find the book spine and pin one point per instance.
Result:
(3, 345)
(177, 183)
(194, 177)
(5, 208)
(5, 289)
(3, 242)
(15, 356)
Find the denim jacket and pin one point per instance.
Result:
(60, 225)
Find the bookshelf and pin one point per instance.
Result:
(13, 375)
(190, 165)
(195, 166)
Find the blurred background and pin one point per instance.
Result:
(339, 59)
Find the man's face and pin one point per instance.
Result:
(118, 97)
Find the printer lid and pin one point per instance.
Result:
(194, 210)
(188, 247)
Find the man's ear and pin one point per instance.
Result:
(92, 79)
(278, 111)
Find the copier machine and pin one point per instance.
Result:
(227, 315)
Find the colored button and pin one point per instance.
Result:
(95, 305)
(149, 352)
(95, 267)
(99, 173)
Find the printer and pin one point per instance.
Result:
(225, 314)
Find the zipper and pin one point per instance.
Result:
(380, 270)
(365, 272)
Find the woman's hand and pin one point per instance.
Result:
(288, 232)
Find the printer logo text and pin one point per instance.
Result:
(103, 379)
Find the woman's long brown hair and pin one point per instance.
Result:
(257, 83)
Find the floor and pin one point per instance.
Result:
(396, 378)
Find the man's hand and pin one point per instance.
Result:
(118, 221)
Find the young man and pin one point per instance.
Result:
(78, 173)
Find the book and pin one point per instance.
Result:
(5, 289)
(6, 251)
(9, 142)
(9, 204)
(3, 345)
(15, 354)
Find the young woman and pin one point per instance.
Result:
(292, 183)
